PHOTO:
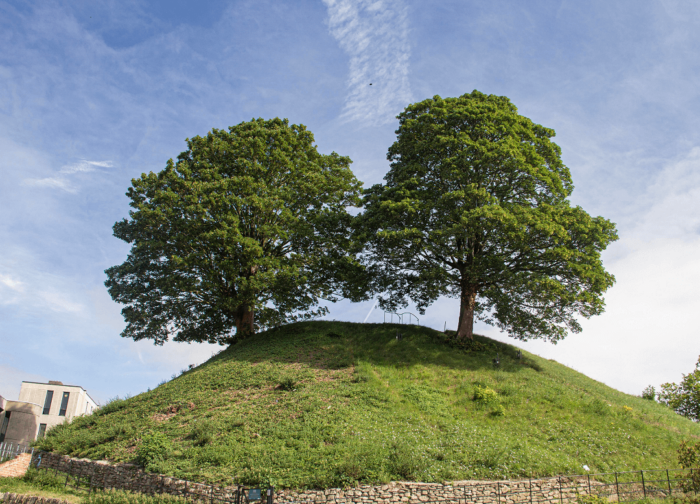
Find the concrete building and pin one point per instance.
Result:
(40, 407)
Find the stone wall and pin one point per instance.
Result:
(10, 498)
(101, 474)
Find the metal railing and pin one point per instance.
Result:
(8, 451)
(401, 317)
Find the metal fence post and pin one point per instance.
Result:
(617, 488)
(668, 480)
(530, 489)
(561, 496)
(589, 484)
(70, 465)
(644, 488)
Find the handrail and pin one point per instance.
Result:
(401, 317)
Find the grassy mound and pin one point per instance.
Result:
(322, 404)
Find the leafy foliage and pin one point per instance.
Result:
(684, 397)
(154, 449)
(475, 206)
(649, 393)
(370, 408)
(689, 458)
(248, 229)
(42, 483)
(485, 394)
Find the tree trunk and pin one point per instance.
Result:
(245, 322)
(465, 327)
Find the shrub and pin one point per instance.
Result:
(485, 394)
(44, 479)
(202, 433)
(154, 449)
(649, 393)
(288, 383)
(591, 499)
(112, 405)
(498, 411)
(405, 463)
(689, 458)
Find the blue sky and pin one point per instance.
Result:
(95, 93)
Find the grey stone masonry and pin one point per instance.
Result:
(11, 498)
(558, 490)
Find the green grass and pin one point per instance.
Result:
(40, 483)
(321, 404)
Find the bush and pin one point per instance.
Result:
(112, 405)
(689, 458)
(202, 433)
(684, 397)
(485, 394)
(154, 449)
(591, 499)
(405, 463)
(498, 411)
(288, 384)
(649, 393)
(46, 480)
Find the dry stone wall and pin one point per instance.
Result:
(11, 498)
(100, 474)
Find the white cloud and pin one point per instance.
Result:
(10, 282)
(374, 33)
(85, 166)
(649, 331)
(61, 181)
(33, 290)
(51, 182)
(58, 302)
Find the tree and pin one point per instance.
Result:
(684, 397)
(475, 206)
(247, 229)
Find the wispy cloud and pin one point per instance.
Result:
(61, 181)
(51, 182)
(374, 33)
(85, 166)
(10, 282)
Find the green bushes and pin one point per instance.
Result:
(202, 432)
(153, 450)
(485, 395)
(35, 479)
(46, 480)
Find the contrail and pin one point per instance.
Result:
(370, 311)
(374, 33)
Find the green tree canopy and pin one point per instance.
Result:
(684, 397)
(247, 229)
(475, 206)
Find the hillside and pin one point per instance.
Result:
(321, 404)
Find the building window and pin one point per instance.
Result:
(42, 431)
(64, 404)
(3, 429)
(47, 402)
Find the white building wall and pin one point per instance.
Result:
(79, 402)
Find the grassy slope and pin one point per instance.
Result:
(362, 406)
